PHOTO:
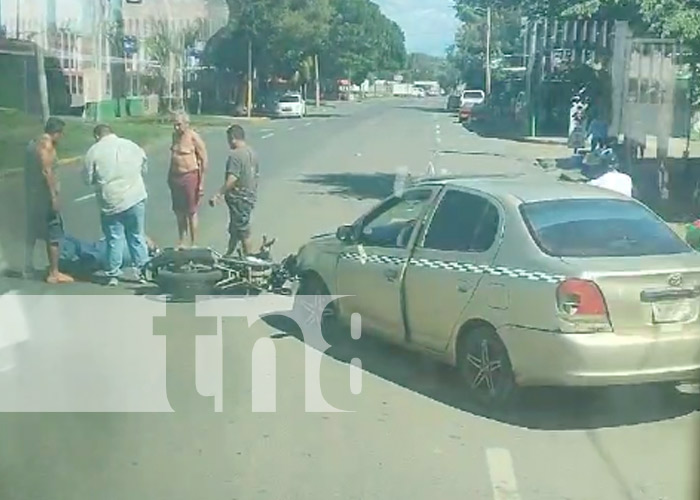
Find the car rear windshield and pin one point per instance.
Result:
(472, 95)
(599, 228)
(289, 98)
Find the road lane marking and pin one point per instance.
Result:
(292, 127)
(267, 136)
(503, 482)
(85, 198)
(307, 124)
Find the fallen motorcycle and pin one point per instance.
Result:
(183, 274)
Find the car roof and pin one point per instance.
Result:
(522, 188)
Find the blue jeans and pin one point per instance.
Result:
(125, 227)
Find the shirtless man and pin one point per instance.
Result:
(44, 220)
(188, 164)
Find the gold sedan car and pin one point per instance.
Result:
(518, 283)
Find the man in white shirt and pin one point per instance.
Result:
(611, 178)
(115, 167)
(614, 180)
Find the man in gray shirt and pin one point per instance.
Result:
(240, 189)
(115, 167)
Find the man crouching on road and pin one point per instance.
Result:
(239, 189)
(115, 167)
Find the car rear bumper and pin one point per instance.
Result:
(600, 359)
(294, 112)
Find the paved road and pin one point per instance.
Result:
(410, 433)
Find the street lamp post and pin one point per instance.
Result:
(318, 81)
(17, 20)
(488, 50)
(250, 78)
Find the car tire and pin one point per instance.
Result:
(186, 286)
(311, 285)
(484, 365)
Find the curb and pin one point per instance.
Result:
(252, 119)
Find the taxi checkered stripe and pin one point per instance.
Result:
(460, 266)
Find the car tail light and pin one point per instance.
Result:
(579, 299)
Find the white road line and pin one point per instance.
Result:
(292, 128)
(267, 136)
(85, 198)
(503, 481)
(307, 124)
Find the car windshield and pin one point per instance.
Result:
(472, 94)
(599, 228)
(289, 99)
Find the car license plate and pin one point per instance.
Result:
(677, 311)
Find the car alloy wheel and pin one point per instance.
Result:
(311, 301)
(486, 368)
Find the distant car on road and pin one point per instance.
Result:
(472, 97)
(517, 282)
(291, 105)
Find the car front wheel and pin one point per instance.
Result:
(485, 367)
(311, 305)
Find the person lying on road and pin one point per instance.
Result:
(85, 258)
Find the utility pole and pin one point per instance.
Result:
(488, 50)
(250, 78)
(118, 62)
(99, 62)
(17, 19)
(531, 101)
(318, 81)
(43, 87)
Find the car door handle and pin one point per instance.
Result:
(391, 274)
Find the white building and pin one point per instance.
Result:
(80, 43)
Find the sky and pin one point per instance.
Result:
(429, 25)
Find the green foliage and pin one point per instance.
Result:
(166, 46)
(423, 67)
(362, 40)
(467, 55)
(351, 37)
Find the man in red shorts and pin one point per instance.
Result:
(188, 164)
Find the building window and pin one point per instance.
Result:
(81, 88)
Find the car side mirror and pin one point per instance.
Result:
(345, 234)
